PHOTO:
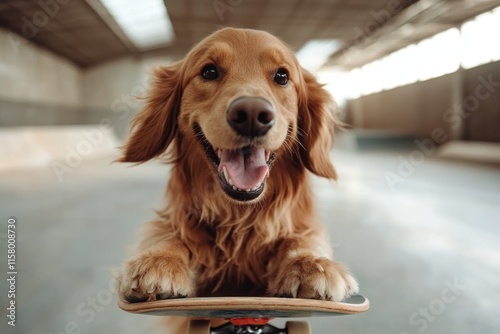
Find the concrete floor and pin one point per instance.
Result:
(426, 252)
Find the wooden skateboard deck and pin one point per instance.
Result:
(248, 307)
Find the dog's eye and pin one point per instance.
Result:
(281, 77)
(209, 72)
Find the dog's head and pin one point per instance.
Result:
(242, 95)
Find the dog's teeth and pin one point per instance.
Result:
(225, 173)
(219, 153)
(268, 154)
(226, 176)
(248, 190)
(234, 188)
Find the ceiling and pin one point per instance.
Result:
(74, 31)
(85, 33)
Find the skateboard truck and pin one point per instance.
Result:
(248, 326)
(247, 329)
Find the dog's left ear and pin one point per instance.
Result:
(155, 127)
(316, 125)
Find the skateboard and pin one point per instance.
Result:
(248, 315)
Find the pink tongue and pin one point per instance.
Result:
(247, 167)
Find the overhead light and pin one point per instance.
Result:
(316, 53)
(477, 45)
(146, 22)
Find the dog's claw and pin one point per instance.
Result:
(314, 278)
(154, 276)
(135, 299)
(162, 296)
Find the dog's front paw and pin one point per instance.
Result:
(155, 275)
(311, 277)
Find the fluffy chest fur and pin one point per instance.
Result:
(230, 242)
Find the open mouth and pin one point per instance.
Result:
(241, 172)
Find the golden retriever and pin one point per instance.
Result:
(242, 124)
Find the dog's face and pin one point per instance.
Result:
(241, 102)
(246, 100)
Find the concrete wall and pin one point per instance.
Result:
(118, 79)
(32, 74)
(463, 104)
(482, 103)
(414, 110)
(114, 87)
(36, 85)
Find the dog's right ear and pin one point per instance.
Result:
(155, 126)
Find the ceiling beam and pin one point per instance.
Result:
(418, 21)
(103, 13)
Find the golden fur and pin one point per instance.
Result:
(203, 242)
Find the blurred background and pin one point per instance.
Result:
(416, 211)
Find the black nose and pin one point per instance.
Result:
(251, 116)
